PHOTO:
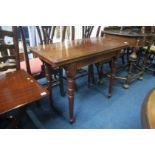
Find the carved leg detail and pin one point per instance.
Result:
(61, 84)
(71, 98)
(71, 71)
(49, 82)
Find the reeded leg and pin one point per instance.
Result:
(112, 76)
(49, 82)
(71, 71)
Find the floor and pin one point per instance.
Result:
(92, 108)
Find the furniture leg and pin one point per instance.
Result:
(143, 66)
(133, 58)
(71, 71)
(100, 73)
(61, 85)
(91, 78)
(49, 82)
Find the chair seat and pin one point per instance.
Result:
(148, 111)
(35, 65)
(152, 48)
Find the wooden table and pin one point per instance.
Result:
(74, 55)
(135, 38)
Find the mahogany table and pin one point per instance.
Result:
(74, 55)
(135, 38)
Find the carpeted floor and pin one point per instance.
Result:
(92, 108)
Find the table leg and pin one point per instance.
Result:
(91, 79)
(99, 67)
(132, 59)
(71, 71)
(143, 66)
(49, 81)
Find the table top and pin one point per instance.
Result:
(18, 89)
(128, 33)
(72, 51)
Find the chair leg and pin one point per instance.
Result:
(61, 85)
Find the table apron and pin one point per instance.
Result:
(96, 59)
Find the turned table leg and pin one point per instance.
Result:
(71, 71)
(132, 59)
(91, 79)
(49, 81)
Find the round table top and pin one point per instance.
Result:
(128, 33)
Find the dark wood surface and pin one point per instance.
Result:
(134, 37)
(74, 55)
(59, 54)
(128, 33)
(148, 111)
(18, 89)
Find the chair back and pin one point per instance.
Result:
(9, 52)
(26, 58)
(87, 31)
(46, 34)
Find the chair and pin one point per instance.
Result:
(18, 88)
(35, 66)
(148, 111)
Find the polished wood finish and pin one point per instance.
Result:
(135, 38)
(76, 54)
(18, 89)
(46, 35)
(129, 35)
(148, 111)
(59, 54)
